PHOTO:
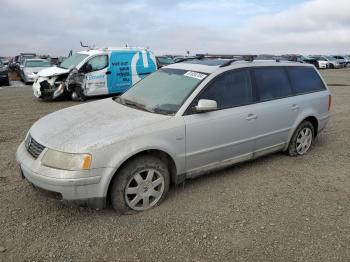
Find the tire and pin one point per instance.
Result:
(141, 184)
(301, 140)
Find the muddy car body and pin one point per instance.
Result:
(95, 72)
(183, 120)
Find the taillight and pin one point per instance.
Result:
(329, 102)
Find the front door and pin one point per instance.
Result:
(95, 81)
(227, 134)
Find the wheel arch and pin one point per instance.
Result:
(161, 154)
(312, 119)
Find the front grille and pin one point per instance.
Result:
(33, 147)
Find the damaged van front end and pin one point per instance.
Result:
(56, 82)
(95, 72)
(50, 83)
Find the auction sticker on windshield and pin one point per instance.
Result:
(196, 75)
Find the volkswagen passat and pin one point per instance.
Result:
(182, 121)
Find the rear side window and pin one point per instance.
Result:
(272, 83)
(231, 89)
(305, 80)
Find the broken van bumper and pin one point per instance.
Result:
(84, 187)
(46, 90)
(36, 89)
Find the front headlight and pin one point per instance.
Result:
(66, 161)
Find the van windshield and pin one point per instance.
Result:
(162, 92)
(72, 61)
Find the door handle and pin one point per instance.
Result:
(251, 117)
(294, 107)
(108, 72)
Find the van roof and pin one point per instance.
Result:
(36, 59)
(211, 65)
(108, 49)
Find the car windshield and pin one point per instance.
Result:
(162, 92)
(73, 61)
(331, 58)
(165, 60)
(37, 63)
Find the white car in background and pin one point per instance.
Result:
(345, 60)
(323, 64)
(333, 63)
(30, 68)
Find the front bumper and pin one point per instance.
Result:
(85, 187)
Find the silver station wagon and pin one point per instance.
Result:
(182, 121)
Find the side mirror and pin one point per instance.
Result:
(88, 68)
(206, 105)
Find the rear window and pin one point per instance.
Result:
(272, 83)
(305, 80)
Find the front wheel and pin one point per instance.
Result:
(301, 140)
(141, 184)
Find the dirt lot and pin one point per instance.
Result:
(276, 208)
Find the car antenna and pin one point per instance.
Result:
(82, 45)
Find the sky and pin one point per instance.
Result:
(173, 27)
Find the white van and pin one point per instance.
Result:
(95, 72)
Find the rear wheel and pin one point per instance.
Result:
(301, 140)
(140, 185)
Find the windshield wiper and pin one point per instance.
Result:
(133, 104)
(162, 111)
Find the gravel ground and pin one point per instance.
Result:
(276, 208)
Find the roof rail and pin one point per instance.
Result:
(231, 58)
(248, 58)
(229, 62)
(218, 56)
(190, 58)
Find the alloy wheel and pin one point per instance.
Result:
(144, 189)
(304, 140)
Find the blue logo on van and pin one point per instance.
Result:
(94, 77)
(126, 71)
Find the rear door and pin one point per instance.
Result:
(277, 109)
(227, 134)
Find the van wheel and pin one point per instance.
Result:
(140, 185)
(301, 140)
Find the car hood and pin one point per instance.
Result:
(36, 70)
(52, 71)
(79, 128)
